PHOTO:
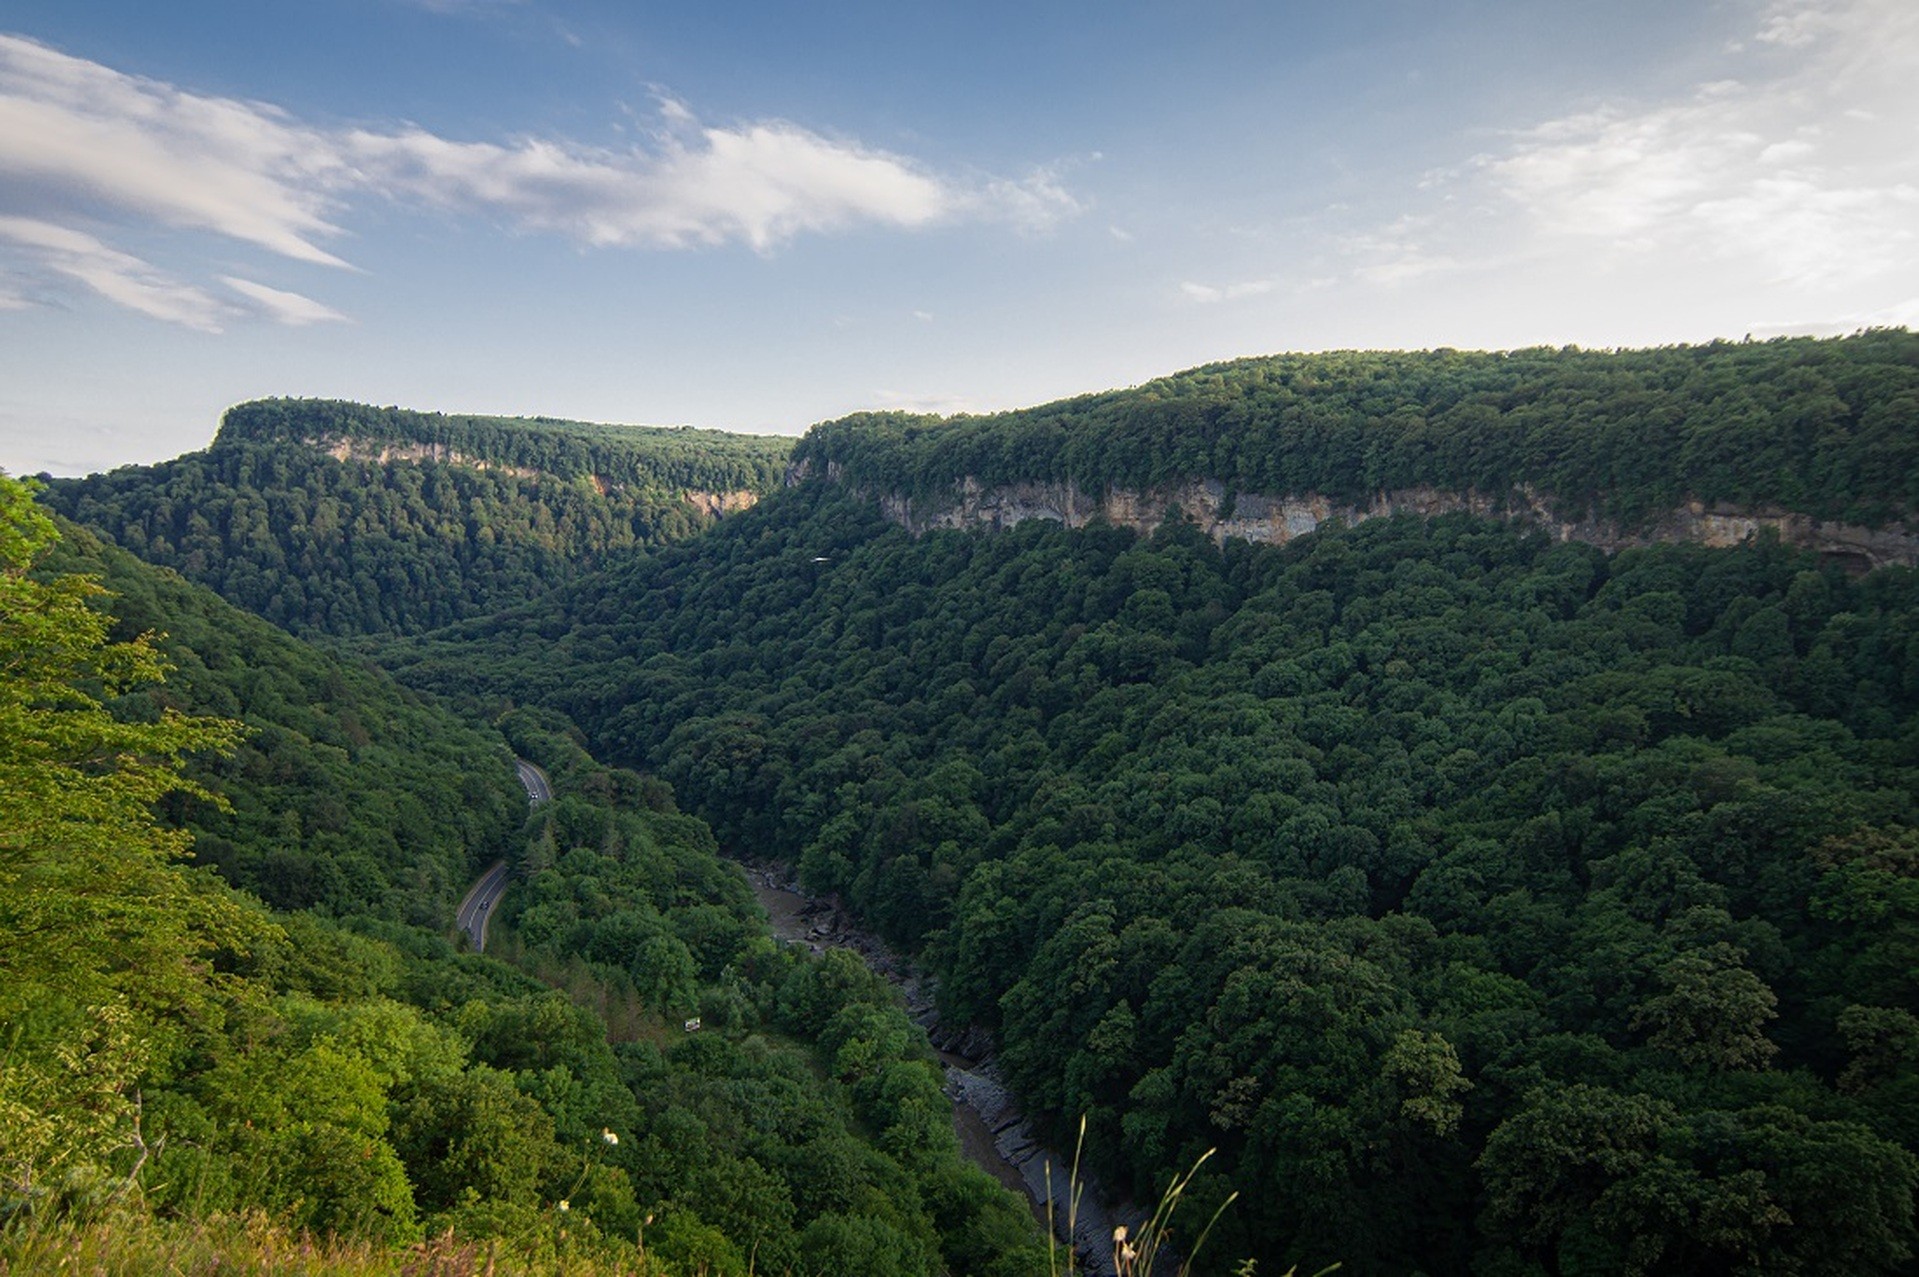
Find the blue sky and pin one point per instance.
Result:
(757, 216)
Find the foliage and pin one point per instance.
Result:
(1343, 857)
(347, 793)
(804, 1120)
(1819, 426)
(185, 1067)
(647, 456)
(103, 929)
(131, 1244)
(1489, 904)
(463, 515)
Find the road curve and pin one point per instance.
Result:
(479, 902)
(487, 889)
(537, 789)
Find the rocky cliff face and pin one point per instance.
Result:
(715, 504)
(381, 453)
(1276, 520)
(710, 504)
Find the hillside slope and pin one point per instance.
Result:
(1491, 904)
(1815, 440)
(338, 518)
(176, 1056)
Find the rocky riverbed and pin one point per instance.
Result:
(992, 1130)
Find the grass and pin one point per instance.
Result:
(252, 1245)
(1148, 1252)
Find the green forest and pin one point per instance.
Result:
(1490, 904)
(278, 1029)
(272, 521)
(1823, 427)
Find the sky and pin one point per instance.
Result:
(756, 216)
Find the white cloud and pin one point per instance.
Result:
(1786, 179)
(78, 138)
(291, 309)
(1400, 252)
(119, 277)
(760, 185)
(1806, 168)
(83, 145)
(1794, 24)
(1035, 203)
(1207, 294)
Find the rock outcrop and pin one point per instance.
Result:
(1275, 520)
(711, 504)
(381, 453)
(715, 504)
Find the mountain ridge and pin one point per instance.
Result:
(332, 517)
(1613, 447)
(1276, 519)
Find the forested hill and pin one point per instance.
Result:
(1827, 429)
(348, 793)
(1492, 905)
(675, 459)
(192, 1082)
(337, 518)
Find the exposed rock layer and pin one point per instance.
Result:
(710, 504)
(1278, 519)
(715, 504)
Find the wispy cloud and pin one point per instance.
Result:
(119, 277)
(77, 138)
(760, 185)
(1035, 203)
(459, 6)
(89, 148)
(1207, 294)
(1798, 166)
(281, 306)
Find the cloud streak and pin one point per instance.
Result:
(77, 138)
(1798, 167)
(281, 306)
(1209, 294)
(760, 185)
(87, 148)
(119, 277)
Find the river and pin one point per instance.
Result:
(993, 1133)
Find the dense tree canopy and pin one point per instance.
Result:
(1490, 904)
(172, 1048)
(1823, 427)
(665, 458)
(1415, 866)
(104, 934)
(465, 515)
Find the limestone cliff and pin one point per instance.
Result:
(1277, 519)
(715, 504)
(710, 504)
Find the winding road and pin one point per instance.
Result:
(486, 891)
(537, 790)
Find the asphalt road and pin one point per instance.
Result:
(537, 790)
(486, 891)
(479, 902)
